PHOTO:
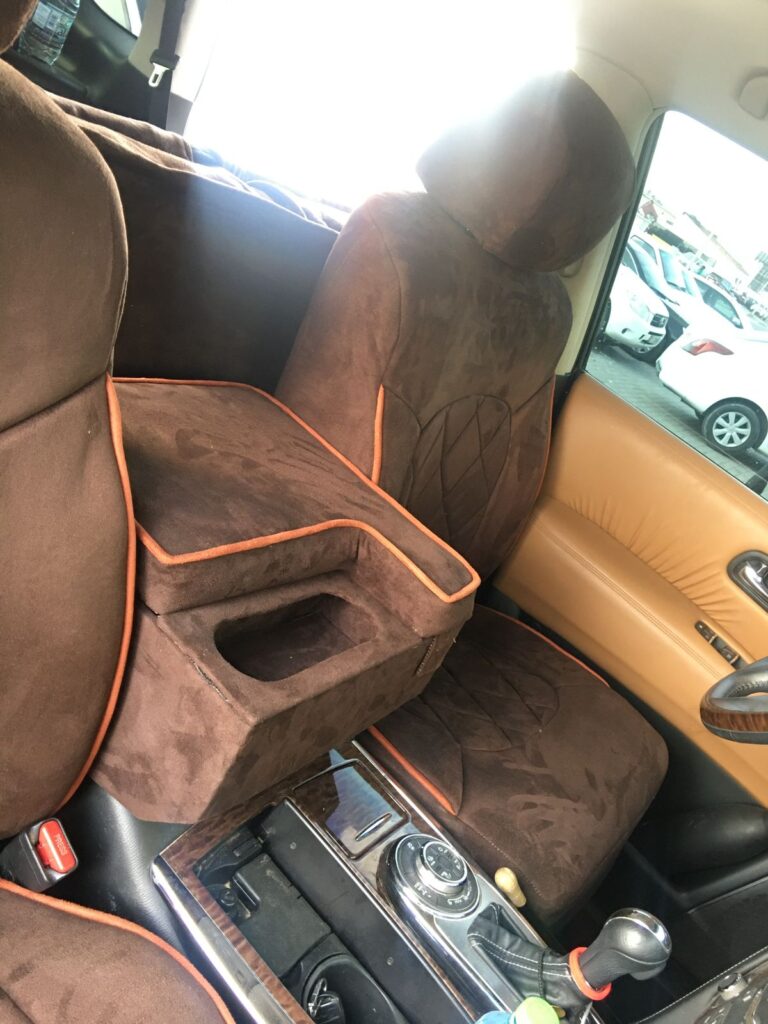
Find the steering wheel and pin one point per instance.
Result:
(736, 708)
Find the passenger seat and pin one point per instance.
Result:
(428, 357)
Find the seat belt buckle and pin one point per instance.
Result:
(38, 857)
(161, 62)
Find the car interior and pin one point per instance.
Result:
(380, 642)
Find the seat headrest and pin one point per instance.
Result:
(539, 182)
(63, 253)
(14, 15)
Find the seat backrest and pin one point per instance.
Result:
(429, 349)
(66, 528)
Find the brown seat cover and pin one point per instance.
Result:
(67, 552)
(428, 358)
(67, 539)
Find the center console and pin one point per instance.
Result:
(334, 898)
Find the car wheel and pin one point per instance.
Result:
(732, 427)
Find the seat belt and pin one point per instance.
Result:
(164, 60)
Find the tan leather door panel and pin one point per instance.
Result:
(628, 548)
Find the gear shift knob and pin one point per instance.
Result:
(631, 942)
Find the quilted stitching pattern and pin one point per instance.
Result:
(547, 768)
(456, 465)
(505, 703)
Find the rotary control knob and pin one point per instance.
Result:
(441, 868)
(427, 871)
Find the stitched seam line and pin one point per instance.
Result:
(625, 595)
(642, 561)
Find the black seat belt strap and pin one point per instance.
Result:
(164, 60)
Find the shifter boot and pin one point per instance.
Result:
(530, 969)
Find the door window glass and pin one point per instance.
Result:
(127, 13)
(685, 333)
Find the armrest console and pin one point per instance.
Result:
(288, 602)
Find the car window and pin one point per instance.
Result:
(672, 350)
(719, 303)
(628, 260)
(128, 13)
(649, 268)
(341, 142)
(674, 273)
(645, 246)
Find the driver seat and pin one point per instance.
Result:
(67, 551)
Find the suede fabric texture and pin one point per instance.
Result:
(540, 181)
(61, 964)
(195, 735)
(14, 15)
(427, 357)
(220, 276)
(213, 466)
(546, 768)
(462, 352)
(64, 545)
(62, 254)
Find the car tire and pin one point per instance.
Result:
(732, 427)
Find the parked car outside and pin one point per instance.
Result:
(718, 299)
(649, 271)
(664, 272)
(725, 381)
(637, 318)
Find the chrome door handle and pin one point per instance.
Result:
(750, 572)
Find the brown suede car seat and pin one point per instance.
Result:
(67, 551)
(428, 357)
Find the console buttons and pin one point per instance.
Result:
(430, 872)
(441, 867)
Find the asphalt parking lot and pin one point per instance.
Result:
(638, 383)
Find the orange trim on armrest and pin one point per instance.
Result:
(116, 431)
(378, 436)
(166, 558)
(412, 770)
(99, 917)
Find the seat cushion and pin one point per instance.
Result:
(65, 964)
(527, 757)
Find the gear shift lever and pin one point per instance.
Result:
(631, 942)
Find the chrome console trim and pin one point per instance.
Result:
(444, 937)
(237, 977)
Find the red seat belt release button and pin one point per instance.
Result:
(38, 857)
(53, 848)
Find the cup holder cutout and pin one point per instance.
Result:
(275, 645)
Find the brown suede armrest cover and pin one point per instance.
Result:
(233, 494)
(290, 603)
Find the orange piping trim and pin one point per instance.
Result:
(378, 434)
(257, 542)
(551, 643)
(254, 543)
(595, 994)
(87, 914)
(414, 772)
(116, 431)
